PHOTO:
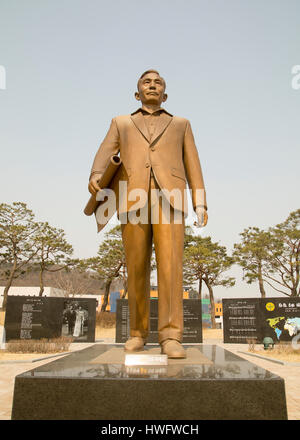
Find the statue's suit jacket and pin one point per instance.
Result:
(171, 153)
(173, 157)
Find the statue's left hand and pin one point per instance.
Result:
(202, 217)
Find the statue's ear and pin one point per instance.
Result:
(165, 97)
(137, 96)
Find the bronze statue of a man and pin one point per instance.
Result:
(158, 153)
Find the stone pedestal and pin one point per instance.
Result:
(94, 384)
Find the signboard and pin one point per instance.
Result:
(32, 317)
(241, 320)
(192, 319)
(280, 318)
(252, 319)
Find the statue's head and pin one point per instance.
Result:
(151, 88)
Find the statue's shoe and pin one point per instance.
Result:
(135, 344)
(173, 349)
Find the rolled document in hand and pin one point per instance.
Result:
(103, 182)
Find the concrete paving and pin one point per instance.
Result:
(290, 374)
(9, 371)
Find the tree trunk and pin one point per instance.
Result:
(5, 294)
(106, 295)
(261, 283)
(200, 288)
(41, 282)
(212, 305)
(294, 292)
(8, 286)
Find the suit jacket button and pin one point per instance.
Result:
(147, 165)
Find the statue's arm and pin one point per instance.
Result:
(194, 175)
(108, 148)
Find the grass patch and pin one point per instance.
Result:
(282, 351)
(55, 345)
(110, 332)
(251, 344)
(105, 319)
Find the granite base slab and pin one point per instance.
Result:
(79, 386)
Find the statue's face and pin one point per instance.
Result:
(151, 90)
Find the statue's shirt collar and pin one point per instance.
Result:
(146, 112)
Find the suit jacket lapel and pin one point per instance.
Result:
(139, 122)
(162, 123)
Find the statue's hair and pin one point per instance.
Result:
(150, 71)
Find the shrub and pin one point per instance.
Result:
(286, 348)
(54, 345)
(251, 342)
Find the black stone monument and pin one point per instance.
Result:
(246, 319)
(241, 320)
(34, 317)
(192, 319)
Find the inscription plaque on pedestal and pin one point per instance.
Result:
(192, 319)
(32, 317)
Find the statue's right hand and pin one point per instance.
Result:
(93, 184)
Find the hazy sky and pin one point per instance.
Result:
(72, 65)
